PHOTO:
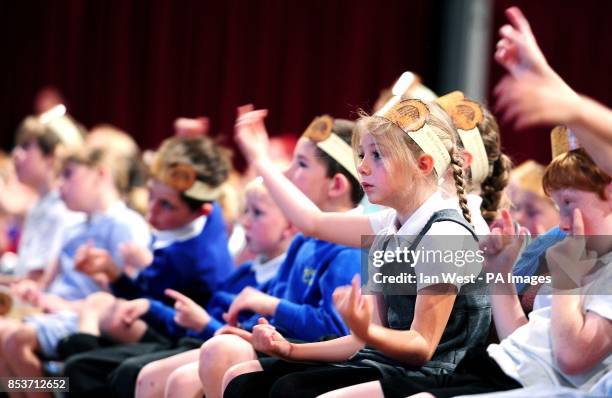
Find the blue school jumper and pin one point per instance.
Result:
(194, 267)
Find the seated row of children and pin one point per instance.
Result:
(160, 310)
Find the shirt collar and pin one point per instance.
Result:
(165, 238)
(415, 223)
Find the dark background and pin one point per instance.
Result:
(140, 64)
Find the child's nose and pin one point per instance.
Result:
(363, 168)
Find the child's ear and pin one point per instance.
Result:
(468, 158)
(206, 209)
(425, 163)
(339, 185)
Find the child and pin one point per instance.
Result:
(299, 300)
(190, 248)
(404, 150)
(487, 169)
(268, 234)
(566, 340)
(42, 144)
(91, 184)
(531, 207)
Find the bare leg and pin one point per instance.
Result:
(371, 389)
(219, 354)
(240, 369)
(92, 310)
(184, 382)
(153, 377)
(21, 347)
(7, 327)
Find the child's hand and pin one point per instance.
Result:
(501, 248)
(534, 100)
(250, 133)
(568, 260)
(188, 313)
(250, 299)
(91, 260)
(227, 329)
(135, 257)
(28, 291)
(517, 50)
(355, 309)
(267, 340)
(130, 311)
(53, 303)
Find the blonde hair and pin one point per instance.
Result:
(400, 149)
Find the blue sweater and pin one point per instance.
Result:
(305, 283)
(311, 272)
(194, 267)
(161, 317)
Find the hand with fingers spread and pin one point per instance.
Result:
(354, 308)
(569, 260)
(250, 133)
(502, 247)
(131, 311)
(269, 341)
(189, 314)
(236, 331)
(250, 299)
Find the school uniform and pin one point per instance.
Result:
(468, 323)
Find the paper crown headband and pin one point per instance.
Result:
(466, 115)
(411, 115)
(562, 140)
(65, 129)
(320, 131)
(184, 178)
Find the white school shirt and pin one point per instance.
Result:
(43, 233)
(385, 223)
(527, 356)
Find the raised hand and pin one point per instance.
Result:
(135, 257)
(517, 50)
(502, 247)
(250, 133)
(267, 340)
(355, 309)
(189, 314)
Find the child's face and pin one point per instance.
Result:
(79, 187)
(308, 173)
(166, 209)
(376, 180)
(31, 165)
(596, 213)
(264, 223)
(533, 212)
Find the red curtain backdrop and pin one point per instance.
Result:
(140, 64)
(576, 38)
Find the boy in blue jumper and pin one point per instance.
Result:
(268, 233)
(190, 247)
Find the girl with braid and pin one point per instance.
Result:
(404, 152)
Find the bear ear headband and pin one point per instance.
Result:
(411, 116)
(466, 115)
(320, 131)
(183, 178)
(562, 140)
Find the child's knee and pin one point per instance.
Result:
(20, 338)
(240, 369)
(99, 301)
(182, 378)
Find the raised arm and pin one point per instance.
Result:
(534, 94)
(341, 228)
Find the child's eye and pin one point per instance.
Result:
(257, 212)
(376, 155)
(302, 164)
(166, 205)
(360, 155)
